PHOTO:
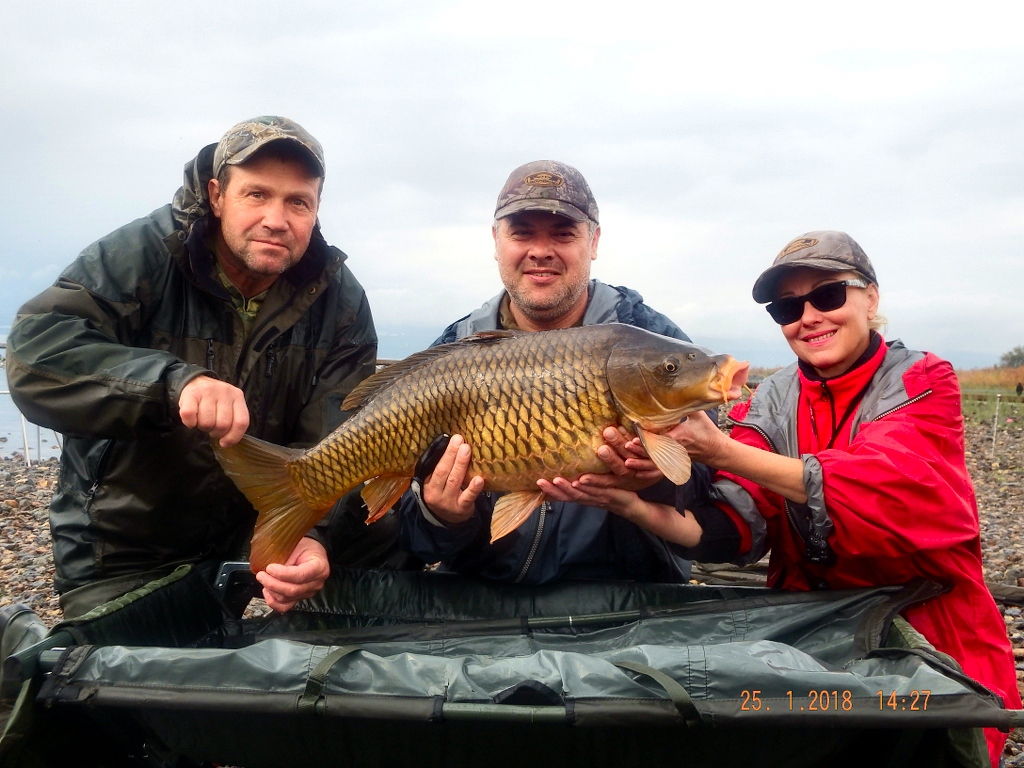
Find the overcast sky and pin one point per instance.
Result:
(711, 134)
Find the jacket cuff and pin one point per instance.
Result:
(814, 482)
(179, 375)
(662, 492)
(417, 493)
(720, 538)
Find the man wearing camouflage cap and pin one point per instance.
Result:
(546, 231)
(222, 313)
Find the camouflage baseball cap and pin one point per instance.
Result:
(243, 140)
(547, 185)
(828, 249)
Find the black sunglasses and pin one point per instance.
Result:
(824, 298)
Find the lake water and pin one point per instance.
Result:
(40, 441)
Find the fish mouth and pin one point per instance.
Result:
(730, 379)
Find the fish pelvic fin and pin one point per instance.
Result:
(382, 493)
(668, 455)
(512, 510)
(260, 470)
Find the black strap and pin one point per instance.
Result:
(675, 691)
(306, 704)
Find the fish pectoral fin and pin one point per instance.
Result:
(668, 455)
(382, 493)
(512, 510)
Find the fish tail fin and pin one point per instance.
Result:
(260, 470)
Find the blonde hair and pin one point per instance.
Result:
(879, 322)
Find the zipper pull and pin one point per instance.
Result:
(209, 354)
(271, 360)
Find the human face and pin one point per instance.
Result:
(544, 262)
(831, 341)
(267, 211)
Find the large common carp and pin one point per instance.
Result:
(530, 405)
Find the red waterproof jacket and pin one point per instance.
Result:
(888, 491)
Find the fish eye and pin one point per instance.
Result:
(671, 365)
(691, 356)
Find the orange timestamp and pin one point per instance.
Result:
(835, 701)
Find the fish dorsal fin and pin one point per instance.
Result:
(382, 493)
(370, 386)
(512, 510)
(482, 337)
(378, 381)
(668, 455)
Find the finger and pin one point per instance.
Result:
(641, 465)
(239, 422)
(614, 437)
(188, 409)
(293, 574)
(206, 414)
(467, 499)
(277, 602)
(444, 465)
(457, 476)
(614, 461)
(558, 489)
(224, 415)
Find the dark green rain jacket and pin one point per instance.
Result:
(102, 357)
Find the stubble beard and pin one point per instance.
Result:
(549, 308)
(261, 265)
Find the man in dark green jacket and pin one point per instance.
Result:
(222, 313)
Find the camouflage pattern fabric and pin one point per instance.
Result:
(547, 185)
(830, 250)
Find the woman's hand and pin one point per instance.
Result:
(604, 491)
(701, 438)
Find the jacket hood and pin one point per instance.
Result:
(190, 202)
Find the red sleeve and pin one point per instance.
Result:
(902, 485)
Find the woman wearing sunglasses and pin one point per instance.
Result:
(848, 466)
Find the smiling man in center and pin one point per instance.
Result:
(546, 231)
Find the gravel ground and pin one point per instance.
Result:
(26, 565)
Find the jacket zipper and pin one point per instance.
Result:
(209, 354)
(904, 404)
(544, 507)
(311, 361)
(265, 409)
(101, 470)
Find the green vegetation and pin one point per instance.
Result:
(1013, 359)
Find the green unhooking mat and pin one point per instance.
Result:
(399, 668)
